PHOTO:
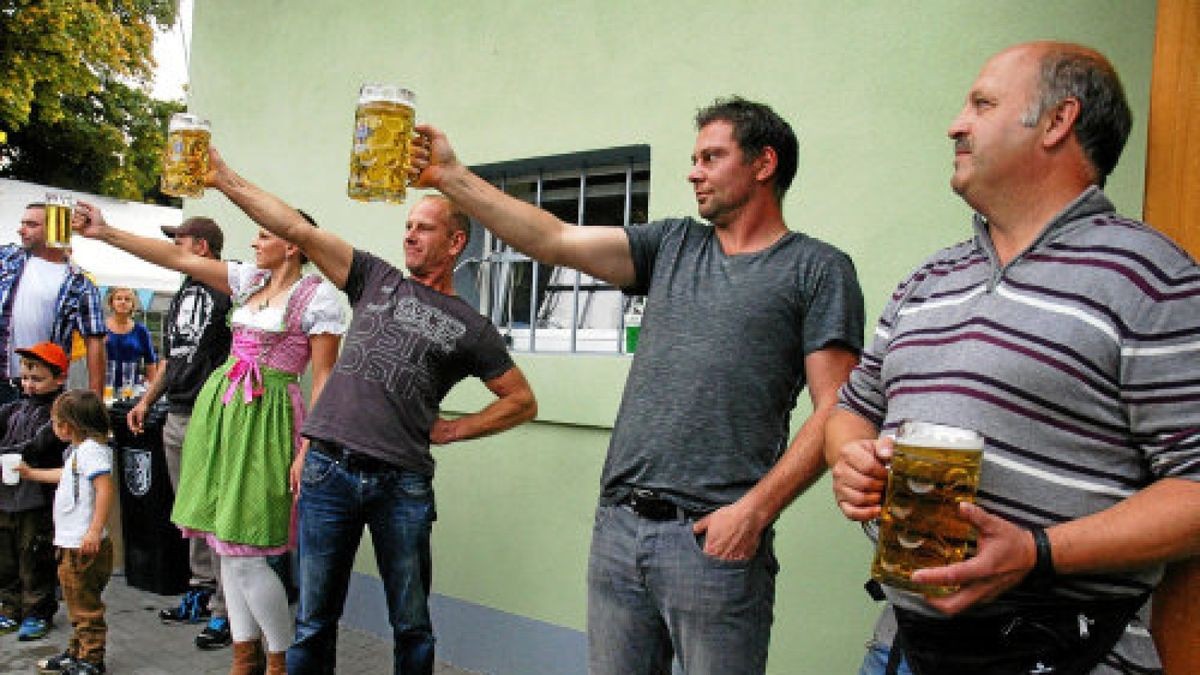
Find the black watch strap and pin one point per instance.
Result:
(1043, 573)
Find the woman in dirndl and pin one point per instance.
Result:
(242, 452)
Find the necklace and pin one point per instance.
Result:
(263, 304)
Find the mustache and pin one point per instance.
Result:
(962, 144)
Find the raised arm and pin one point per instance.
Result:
(329, 252)
(602, 252)
(514, 404)
(89, 222)
(733, 531)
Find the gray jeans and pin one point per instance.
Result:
(653, 594)
(204, 563)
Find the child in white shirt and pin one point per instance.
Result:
(81, 506)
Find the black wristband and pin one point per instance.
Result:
(1042, 573)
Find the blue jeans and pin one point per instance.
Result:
(875, 662)
(653, 594)
(335, 503)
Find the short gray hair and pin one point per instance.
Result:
(1073, 71)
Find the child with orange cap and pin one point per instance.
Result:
(27, 567)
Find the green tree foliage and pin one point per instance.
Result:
(73, 101)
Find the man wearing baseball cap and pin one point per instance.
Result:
(27, 569)
(44, 296)
(198, 229)
(196, 340)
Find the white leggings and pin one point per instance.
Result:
(257, 602)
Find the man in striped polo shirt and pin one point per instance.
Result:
(1069, 337)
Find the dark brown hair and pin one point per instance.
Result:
(84, 412)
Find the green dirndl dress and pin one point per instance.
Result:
(241, 440)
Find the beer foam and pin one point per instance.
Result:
(930, 435)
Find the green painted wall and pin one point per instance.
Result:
(870, 87)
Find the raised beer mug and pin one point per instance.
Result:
(934, 467)
(58, 219)
(185, 159)
(383, 124)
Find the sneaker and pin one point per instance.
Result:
(56, 664)
(80, 667)
(8, 625)
(193, 608)
(215, 635)
(33, 628)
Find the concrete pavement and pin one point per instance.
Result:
(140, 644)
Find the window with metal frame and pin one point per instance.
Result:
(545, 308)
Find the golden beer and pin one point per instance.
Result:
(185, 159)
(110, 381)
(383, 124)
(129, 373)
(58, 221)
(934, 467)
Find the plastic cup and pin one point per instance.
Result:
(10, 462)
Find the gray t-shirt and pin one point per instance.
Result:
(406, 347)
(720, 358)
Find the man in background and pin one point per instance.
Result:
(196, 340)
(45, 297)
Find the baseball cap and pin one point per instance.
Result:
(48, 353)
(200, 228)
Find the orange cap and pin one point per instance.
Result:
(48, 353)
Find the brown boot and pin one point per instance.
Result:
(276, 663)
(247, 659)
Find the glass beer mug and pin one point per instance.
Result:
(129, 374)
(383, 124)
(58, 219)
(110, 382)
(934, 467)
(185, 160)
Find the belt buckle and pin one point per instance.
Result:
(647, 504)
(355, 461)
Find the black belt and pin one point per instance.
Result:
(647, 504)
(350, 460)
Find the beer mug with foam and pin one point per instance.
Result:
(383, 124)
(934, 467)
(185, 159)
(58, 219)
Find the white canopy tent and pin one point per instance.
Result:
(109, 266)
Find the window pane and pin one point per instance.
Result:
(540, 307)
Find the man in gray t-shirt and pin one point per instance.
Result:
(740, 316)
(367, 463)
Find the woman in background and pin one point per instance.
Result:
(128, 341)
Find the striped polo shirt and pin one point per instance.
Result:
(1078, 361)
